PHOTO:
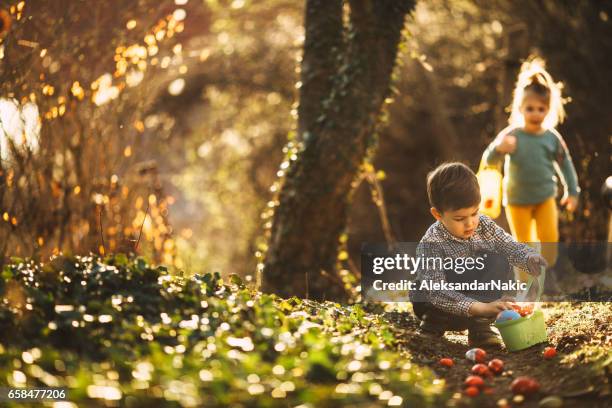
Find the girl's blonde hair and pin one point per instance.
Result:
(533, 78)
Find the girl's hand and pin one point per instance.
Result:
(507, 145)
(570, 203)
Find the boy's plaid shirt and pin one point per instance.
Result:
(438, 242)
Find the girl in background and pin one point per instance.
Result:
(534, 154)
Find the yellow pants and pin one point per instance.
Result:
(536, 223)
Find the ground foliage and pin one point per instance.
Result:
(119, 331)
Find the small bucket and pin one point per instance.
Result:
(522, 333)
(526, 331)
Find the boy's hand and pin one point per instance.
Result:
(535, 262)
(570, 203)
(489, 309)
(507, 144)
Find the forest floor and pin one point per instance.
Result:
(116, 331)
(580, 374)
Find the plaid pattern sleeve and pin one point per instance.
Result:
(446, 300)
(516, 252)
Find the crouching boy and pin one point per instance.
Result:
(460, 232)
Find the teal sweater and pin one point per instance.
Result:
(530, 172)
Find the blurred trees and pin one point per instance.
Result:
(229, 125)
(75, 175)
(195, 119)
(346, 71)
(191, 103)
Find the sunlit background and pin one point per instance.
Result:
(159, 127)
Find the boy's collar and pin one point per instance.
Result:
(448, 235)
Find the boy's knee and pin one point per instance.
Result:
(480, 321)
(445, 321)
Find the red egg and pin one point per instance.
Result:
(496, 366)
(474, 381)
(472, 391)
(550, 352)
(524, 385)
(481, 370)
(477, 355)
(447, 362)
(523, 310)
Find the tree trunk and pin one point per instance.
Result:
(346, 73)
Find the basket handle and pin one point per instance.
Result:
(483, 165)
(541, 278)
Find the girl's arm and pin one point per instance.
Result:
(491, 156)
(566, 167)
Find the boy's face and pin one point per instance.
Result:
(462, 223)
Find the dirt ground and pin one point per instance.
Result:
(580, 374)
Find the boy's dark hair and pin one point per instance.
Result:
(452, 186)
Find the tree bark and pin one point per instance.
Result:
(346, 73)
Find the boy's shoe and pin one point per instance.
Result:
(428, 328)
(483, 336)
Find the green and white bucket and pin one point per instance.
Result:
(526, 331)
